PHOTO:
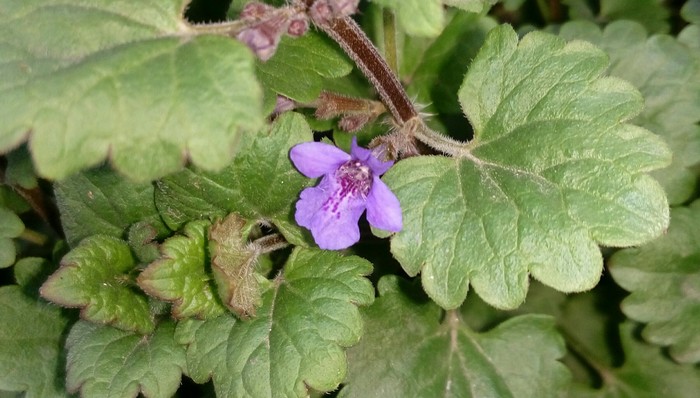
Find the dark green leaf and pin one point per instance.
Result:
(11, 226)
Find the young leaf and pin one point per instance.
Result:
(646, 373)
(552, 171)
(296, 342)
(260, 183)
(667, 73)
(180, 276)
(130, 80)
(31, 359)
(301, 66)
(664, 278)
(108, 362)
(410, 350)
(11, 226)
(100, 202)
(233, 264)
(95, 277)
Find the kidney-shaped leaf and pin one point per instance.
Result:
(307, 316)
(552, 171)
(411, 350)
(664, 278)
(125, 79)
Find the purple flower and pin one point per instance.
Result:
(350, 185)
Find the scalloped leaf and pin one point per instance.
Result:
(664, 280)
(108, 362)
(180, 275)
(95, 277)
(307, 316)
(552, 171)
(260, 183)
(645, 373)
(667, 72)
(101, 202)
(407, 336)
(11, 226)
(83, 81)
(32, 332)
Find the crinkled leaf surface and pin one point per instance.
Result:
(100, 202)
(645, 373)
(260, 183)
(108, 362)
(83, 80)
(664, 278)
(411, 350)
(11, 226)
(300, 67)
(553, 170)
(95, 277)
(31, 337)
(667, 72)
(296, 342)
(180, 275)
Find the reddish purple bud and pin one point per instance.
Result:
(321, 12)
(298, 27)
(343, 8)
(283, 104)
(264, 37)
(256, 10)
(354, 123)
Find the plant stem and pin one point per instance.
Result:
(390, 49)
(270, 243)
(34, 237)
(229, 28)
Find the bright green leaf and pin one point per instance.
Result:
(108, 362)
(417, 17)
(180, 276)
(31, 358)
(474, 6)
(102, 202)
(95, 277)
(11, 226)
(668, 75)
(664, 278)
(411, 350)
(552, 172)
(260, 183)
(128, 80)
(296, 342)
(646, 373)
(300, 67)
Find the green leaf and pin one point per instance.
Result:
(32, 332)
(664, 278)
(474, 6)
(646, 373)
(301, 66)
(95, 277)
(180, 276)
(667, 73)
(296, 342)
(20, 170)
(653, 14)
(100, 202)
(443, 63)
(233, 263)
(11, 226)
(552, 171)
(260, 183)
(134, 83)
(108, 362)
(411, 350)
(417, 17)
(691, 11)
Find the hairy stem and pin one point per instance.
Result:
(270, 243)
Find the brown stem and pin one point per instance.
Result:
(270, 243)
(355, 43)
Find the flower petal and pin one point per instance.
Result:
(365, 156)
(331, 214)
(314, 159)
(383, 208)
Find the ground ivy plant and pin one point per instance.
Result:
(381, 198)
